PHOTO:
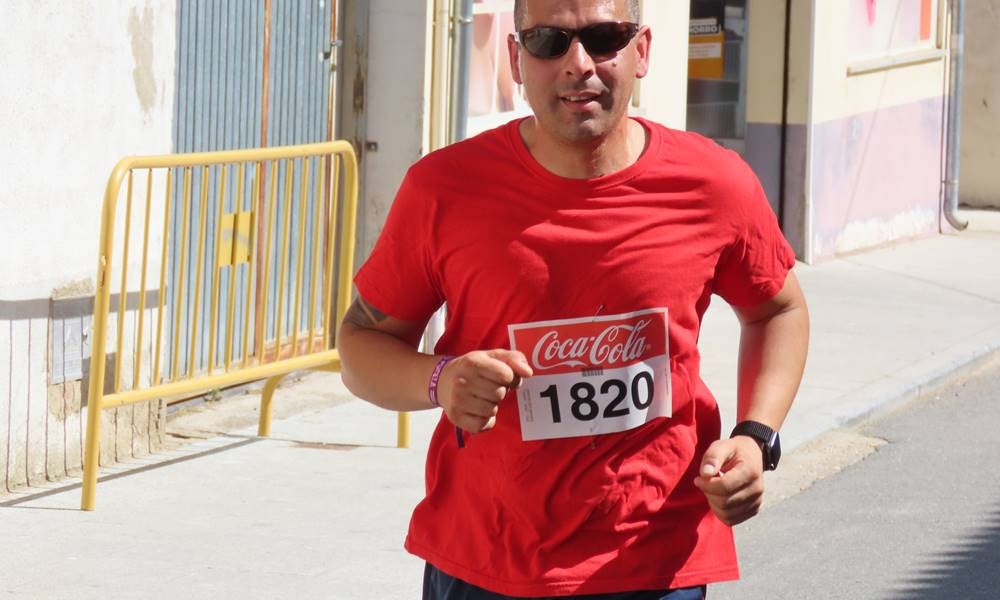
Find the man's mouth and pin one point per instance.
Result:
(585, 101)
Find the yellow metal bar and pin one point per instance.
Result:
(316, 284)
(251, 272)
(331, 228)
(236, 377)
(98, 342)
(200, 264)
(216, 271)
(403, 430)
(347, 239)
(142, 280)
(303, 196)
(231, 312)
(182, 268)
(271, 227)
(330, 367)
(284, 255)
(266, 410)
(198, 159)
(122, 297)
(156, 378)
(92, 445)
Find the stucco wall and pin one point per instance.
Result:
(877, 145)
(979, 176)
(864, 146)
(663, 93)
(82, 88)
(765, 108)
(396, 106)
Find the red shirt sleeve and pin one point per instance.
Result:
(752, 268)
(398, 278)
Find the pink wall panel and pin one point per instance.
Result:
(873, 168)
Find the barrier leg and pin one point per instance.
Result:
(403, 430)
(264, 424)
(91, 454)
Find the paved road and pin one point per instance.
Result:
(918, 519)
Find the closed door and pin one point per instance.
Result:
(249, 74)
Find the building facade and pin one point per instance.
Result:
(838, 105)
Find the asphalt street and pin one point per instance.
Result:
(919, 518)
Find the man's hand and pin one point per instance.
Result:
(732, 478)
(473, 385)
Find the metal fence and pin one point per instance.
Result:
(266, 244)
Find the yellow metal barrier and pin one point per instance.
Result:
(247, 227)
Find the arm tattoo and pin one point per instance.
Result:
(363, 314)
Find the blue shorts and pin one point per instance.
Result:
(441, 586)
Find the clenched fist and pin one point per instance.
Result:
(732, 478)
(472, 385)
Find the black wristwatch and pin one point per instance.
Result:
(770, 442)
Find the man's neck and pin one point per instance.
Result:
(618, 150)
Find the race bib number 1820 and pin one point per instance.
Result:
(593, 375)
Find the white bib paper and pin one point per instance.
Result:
(593, 375)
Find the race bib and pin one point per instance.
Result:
(593, 375)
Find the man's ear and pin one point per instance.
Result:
(514, 53)
(644, 39)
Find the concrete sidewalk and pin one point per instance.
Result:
(320, 509)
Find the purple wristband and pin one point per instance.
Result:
(432, 385)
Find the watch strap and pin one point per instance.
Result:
(765, 436)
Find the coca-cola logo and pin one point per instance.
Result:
(616, 344)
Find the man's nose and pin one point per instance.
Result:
(577, 62)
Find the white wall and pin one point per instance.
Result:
(82, 86)
(837, 93)
(663, 93)
(396, 106)
(875, 142)
(979, 175)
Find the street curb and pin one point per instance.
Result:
(946, 377)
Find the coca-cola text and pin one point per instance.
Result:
(616, 345)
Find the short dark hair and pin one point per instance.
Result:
(521, 9)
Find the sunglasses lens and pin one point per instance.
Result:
(599, 39)
(546, 42)
(606, 38)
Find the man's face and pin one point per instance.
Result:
(578, 97)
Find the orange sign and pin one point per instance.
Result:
(705, 56)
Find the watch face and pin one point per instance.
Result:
(772, 453)
(770, 443)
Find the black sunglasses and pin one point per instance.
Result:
(599, 39)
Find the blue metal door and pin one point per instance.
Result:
(249, 74)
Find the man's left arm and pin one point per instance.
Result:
(773, 341)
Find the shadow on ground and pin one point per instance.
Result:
(969, 568)
(127, 472)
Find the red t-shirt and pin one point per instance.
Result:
(484, 227)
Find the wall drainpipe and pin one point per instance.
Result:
(783, 145)
(955, 116)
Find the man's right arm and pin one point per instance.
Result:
(380, 363)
